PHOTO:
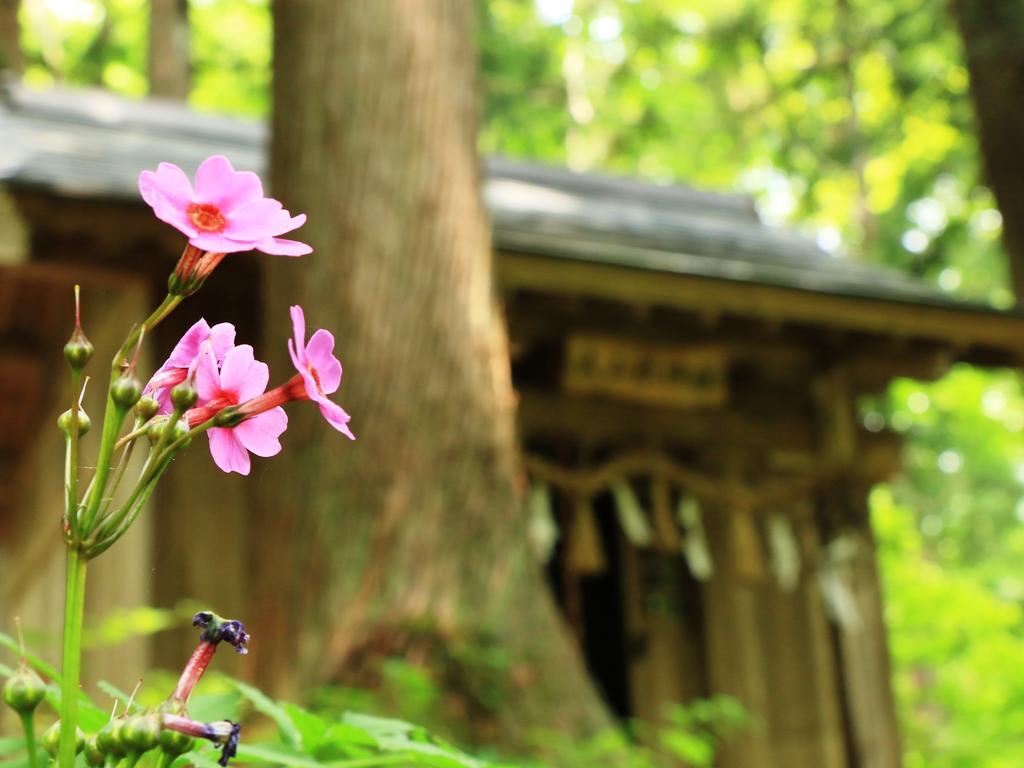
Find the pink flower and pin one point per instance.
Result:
(184, 356)
(226, 212)
(240, 378)
(320, 370)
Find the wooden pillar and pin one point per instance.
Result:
(663, 632)
(772, 651)
(870, 713)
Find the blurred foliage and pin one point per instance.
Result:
(951, 541)
(691, 733)
(104, 42)
(331, 732)
(276, 733)
(850, 119)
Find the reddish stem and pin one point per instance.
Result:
(194, 670)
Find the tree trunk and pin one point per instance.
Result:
(168, 49)
(413, 539)
(11, 57)
(993, 36)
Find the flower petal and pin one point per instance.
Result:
(279, 246)
(234, 369)
(170, 183)
(319, 354)
(336, 417)
(187, 348)
(254, 221)
(260, 433)
(217, 243)
(285, 222)
(228, 453)
(220, 184)
(299, 332)
(207, 376)
(171, 214)
(222, 339)
(245, 188)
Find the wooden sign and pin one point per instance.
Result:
(657, 374)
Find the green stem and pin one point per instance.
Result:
(119, 523)
(122, 465)
(130, 438)
(71, 664)
(28, 726)
(166, 307)
(71, 465)
(159, 460)
(113, 417)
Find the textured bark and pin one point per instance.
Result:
(993, 36)
(168, 49)
(11, 57)
(413, 538)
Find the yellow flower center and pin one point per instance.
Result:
(206, 217)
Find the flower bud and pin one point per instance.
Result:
(51, 740)
(229, 417)
(174, 743)
(78, 350)
(141, 733)
(184, 396)
(94, 756)
(84, 422)
(158, 426)
(108, 739)
(126, 390)
(24, 690)
(147, 408)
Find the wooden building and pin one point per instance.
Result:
(688, 382)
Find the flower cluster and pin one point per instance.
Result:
(231, 386)
(208, 383)
(226, 212)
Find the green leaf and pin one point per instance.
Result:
(398, 736)
(126, 624)
(274, 754)
(311, 728)
(265, 705)
(11, 745)
(343, 740)
(36, 662)
(207, 707)
(116, 693)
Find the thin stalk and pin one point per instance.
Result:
(158, 461)
(166, 307)
(130, 438)
(119, 524)
(122, 465)
(71, 663)
(29, 728)
(71, 465)
(113, 417)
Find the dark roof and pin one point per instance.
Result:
(92, 144)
